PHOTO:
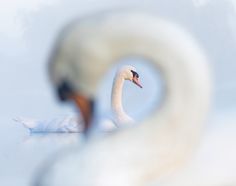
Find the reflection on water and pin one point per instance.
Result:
(22, 153)
(60, 138)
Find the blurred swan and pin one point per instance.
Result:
(159, 145)
(75, 124)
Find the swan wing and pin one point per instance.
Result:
(58, 124)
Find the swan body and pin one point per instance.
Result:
(160, 144)
(75, 124)
(59, 124)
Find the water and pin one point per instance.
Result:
(28, 31)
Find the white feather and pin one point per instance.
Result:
(163, 142)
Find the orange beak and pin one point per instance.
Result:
(85, 107)
(137, 82)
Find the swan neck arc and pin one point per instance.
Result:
(116, 99)
(167, 46)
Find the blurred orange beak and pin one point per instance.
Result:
(137, 82)
(83, 104)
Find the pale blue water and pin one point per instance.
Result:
(25, 90)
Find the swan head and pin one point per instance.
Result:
(130, 73)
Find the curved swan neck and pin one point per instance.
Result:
(116, 99)
(116, 96)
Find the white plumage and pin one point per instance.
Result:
(162, 143)
(69, 123)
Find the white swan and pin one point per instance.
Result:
(68, 123)
(125, 73)
(75, 124)
(162, 143)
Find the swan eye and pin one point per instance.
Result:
(135, 74)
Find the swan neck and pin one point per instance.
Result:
(116, 98)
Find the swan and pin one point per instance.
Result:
(71, 123)
(164, 141)
(67, 123)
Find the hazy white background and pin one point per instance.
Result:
(27, 32)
